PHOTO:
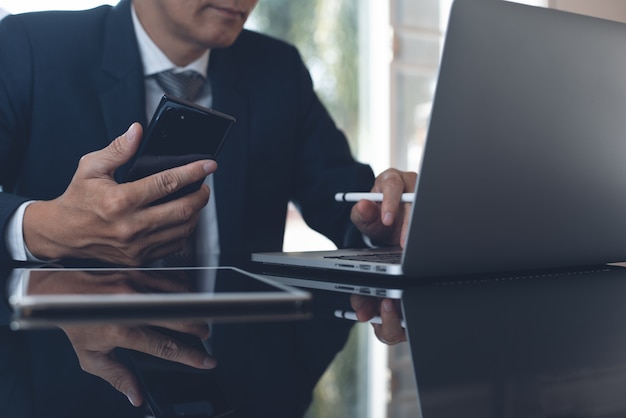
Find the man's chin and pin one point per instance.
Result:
(223, 41)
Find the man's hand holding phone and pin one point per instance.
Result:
(180, 132)
(98, 218)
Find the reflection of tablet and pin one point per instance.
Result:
(50, 296)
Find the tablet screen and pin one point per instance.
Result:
(220, 293)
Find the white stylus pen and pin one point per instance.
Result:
(374, 197)
(352, 316)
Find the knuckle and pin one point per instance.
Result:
(116, 147)
(87, 160)
(168, 349)
(389, 177)
(115, 203)
(390, 173)
(126, 232)
(117, 381)
(168, 182)
(187, 213)
(394, 177)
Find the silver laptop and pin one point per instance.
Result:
(525, 160)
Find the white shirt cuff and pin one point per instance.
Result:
(14, 236)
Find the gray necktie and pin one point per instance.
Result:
(185, 85)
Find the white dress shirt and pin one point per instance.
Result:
(155, 61)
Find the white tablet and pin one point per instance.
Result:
(52, 296)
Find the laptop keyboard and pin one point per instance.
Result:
(379, 257)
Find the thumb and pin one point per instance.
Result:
(104, 162)
(106, 367)
(120, 378)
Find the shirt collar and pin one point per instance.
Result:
(155, 61)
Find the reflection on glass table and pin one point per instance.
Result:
(521, 346)
(50, 296)
(147, 332)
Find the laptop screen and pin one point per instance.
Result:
(524, 163)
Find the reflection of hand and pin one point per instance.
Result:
(94, 344)
(390, 331)
(94, 347)
(100, 219)
(386, 222)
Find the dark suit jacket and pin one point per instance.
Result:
(70, 82)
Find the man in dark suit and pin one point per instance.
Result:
(71, 81)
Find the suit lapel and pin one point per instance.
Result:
(230, 96)
(122, 94)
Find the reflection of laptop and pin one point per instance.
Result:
(525, 160)
(523, 355)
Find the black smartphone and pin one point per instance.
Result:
(173, 390)
(180, 132)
